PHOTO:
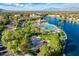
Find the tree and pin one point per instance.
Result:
(16, 41)
(45, 51)
(6, 36)
(56, 44)
(7, 18)
(2, 26)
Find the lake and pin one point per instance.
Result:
(72, 31)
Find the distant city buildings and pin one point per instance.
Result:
(68, 17)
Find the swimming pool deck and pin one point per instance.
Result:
(50, 28)
(46, 26)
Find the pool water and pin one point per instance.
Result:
(47, 26)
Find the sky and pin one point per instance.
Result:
(37, 6)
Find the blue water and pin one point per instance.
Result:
(72, 31)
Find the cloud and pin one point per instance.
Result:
(37, 6)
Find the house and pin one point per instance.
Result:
(16, 15)
(34, 16)
(39, 21)
(37, 42)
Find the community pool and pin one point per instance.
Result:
(47, 26)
